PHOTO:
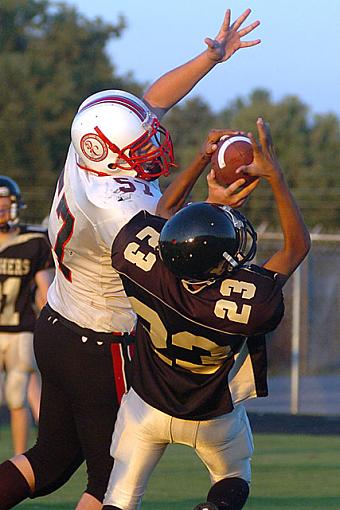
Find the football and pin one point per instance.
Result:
(231, 153)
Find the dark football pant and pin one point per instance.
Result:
(79, 403)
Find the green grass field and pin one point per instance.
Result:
(289, 471)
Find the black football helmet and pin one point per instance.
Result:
(204, 241)
(9, 188)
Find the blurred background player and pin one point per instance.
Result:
(25, 260)
(118, 151)
(39, 300)
(203, 311)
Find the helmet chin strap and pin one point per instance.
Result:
(196, 286)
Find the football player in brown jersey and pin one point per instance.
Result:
(25, 260)
(200, 347)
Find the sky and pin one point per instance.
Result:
(299, 53)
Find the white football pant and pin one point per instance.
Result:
(142, 433)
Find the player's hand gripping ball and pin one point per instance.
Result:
(231, 153)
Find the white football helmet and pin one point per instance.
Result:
(115, 132)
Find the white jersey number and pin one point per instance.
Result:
(223, 307)
(133, 254)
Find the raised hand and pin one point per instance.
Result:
(214, 135)
(229, 38)
(234, 195)
(265, 163)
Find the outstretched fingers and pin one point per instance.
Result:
(234, 186)
(264, 133)
(249, 28)
(238, 198)
(233, 195)
(245, 31)
(226, 23)
(255, 144)
(238, 22)
(248, 44)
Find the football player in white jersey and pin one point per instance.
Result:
(83, 336)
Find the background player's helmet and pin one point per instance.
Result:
(9, 188)
(204, 241)
(115, 132)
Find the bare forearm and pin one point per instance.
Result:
(292, 223)
(170, 88)
(177, 192)
(43, 280)
(176, 84)
(295, 233)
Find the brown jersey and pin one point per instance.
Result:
(192, 342)
(21, 258)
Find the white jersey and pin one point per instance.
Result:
(86, 215)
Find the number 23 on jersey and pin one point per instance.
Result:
(223, 307)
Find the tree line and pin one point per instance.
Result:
(52, 57)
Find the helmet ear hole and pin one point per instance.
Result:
(204, 241)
